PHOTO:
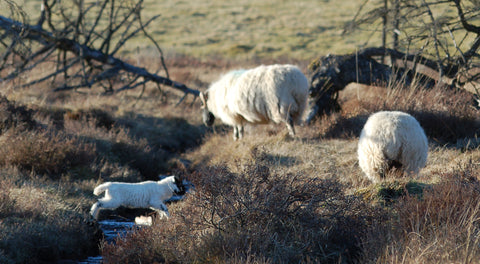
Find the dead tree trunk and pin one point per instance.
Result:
(332, 73)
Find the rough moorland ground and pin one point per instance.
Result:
(265, 199)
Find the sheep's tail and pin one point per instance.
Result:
(101, 188)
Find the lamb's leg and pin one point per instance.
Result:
(95, 209)
(161, 209)
(103, 203)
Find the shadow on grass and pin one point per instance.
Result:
(388, 192)
(150, 144)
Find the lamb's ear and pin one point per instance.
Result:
(177, 179)
(203, 98)
(180, 186)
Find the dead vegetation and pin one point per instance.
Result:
(264, 199)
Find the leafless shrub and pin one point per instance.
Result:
(43, 152)
(12, 115)
(258, 216)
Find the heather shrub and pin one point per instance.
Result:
(442, 225)
(12, 115)
(139, 155)
(41, 222)
(149, 144)
(256, 215)
(172, 134)
(43, 152)
(47, 239)
(7, 204)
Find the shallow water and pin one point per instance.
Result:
(111, 229)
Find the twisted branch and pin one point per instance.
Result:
(75, 42)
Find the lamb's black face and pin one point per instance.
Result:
(208, 117)
(180, 186)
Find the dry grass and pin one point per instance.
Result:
(244, 29)
(264, 199)
(271, 199)
(442, 226)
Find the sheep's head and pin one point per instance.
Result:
(325, 82)
(208, 117)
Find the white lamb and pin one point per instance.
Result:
(391, 139)
(148, 194)
(274, 93)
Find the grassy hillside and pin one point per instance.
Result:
(246, 29)
(299, 29)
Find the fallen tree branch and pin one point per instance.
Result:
(48, 40)
(332, 73)
(449, 70)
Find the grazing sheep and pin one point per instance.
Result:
(391, 139)
(274, 93)
(148, 194)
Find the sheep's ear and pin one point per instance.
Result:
(203, 99)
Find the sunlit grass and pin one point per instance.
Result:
(245, 29)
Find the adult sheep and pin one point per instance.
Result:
(391, 139)
(262, 95)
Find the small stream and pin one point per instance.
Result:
(111, 230)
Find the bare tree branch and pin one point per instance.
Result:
(86, 50)
(467, 26)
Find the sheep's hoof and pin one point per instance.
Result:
(288, 137)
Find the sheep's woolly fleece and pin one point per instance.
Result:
(391, 137)
(273, 93)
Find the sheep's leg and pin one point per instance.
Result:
(240, 131)
(161, 209)
(95, 209)
(103, 203)
(237, 132)
(290, 127)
